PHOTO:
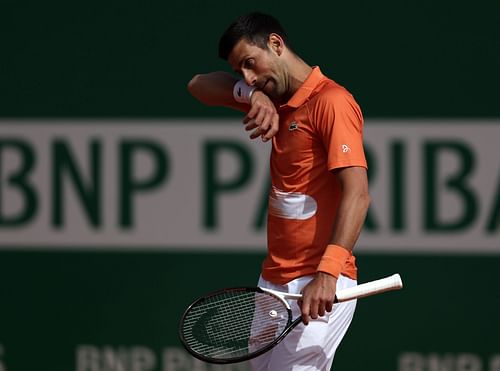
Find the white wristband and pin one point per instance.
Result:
(242, 92)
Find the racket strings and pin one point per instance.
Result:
(234, 323)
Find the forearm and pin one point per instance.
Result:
(350, 219)
(215, 89)
(317, 295)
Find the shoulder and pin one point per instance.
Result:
(332, 98)
(330, 92)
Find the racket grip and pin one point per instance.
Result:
(390, 283)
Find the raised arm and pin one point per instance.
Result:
(216, 89)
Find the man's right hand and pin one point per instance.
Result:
(262, 118)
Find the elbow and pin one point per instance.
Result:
(197, 88)
(192, 85)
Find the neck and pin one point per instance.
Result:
(298, 71)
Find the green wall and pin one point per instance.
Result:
(108, 59)
(129, 58)
(52, 303)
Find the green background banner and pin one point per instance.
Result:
(57, 304)
(102, 310)
(127, 58)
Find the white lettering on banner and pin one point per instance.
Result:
(177, 359)
(413, 361)
(495, 363)
(142, 358)
(136, 358)
(178, 184)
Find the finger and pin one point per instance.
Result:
(329, 307)
(262, 120)
(246, 119)
(321, 309)
(257, 133)
(250, 125)
(266, 123)
(313, 312)
(304, 309)
(274, 125)
(265, 126)
(253, 111)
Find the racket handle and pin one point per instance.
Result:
(393, 282)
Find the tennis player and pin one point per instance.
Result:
(319, 195)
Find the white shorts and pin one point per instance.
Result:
(311, 347)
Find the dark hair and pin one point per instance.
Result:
(254, 27)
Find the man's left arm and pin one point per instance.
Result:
(318, 295)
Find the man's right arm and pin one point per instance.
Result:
(216, 89)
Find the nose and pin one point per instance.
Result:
(250, 77)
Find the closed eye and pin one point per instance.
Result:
(249, 63)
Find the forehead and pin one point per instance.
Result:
(242, 50)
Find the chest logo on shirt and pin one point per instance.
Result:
(293, 126)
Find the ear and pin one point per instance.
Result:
(276, 43)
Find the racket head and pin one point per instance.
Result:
(234, 324)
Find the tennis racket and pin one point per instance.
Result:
(236, 324)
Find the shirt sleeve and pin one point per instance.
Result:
(339, 124)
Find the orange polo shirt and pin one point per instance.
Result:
(321, 129)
